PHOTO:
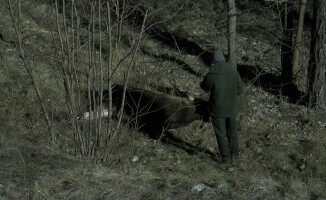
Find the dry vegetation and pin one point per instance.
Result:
(283, 145)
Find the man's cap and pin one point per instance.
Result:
(218, 56)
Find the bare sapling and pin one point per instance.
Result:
(28, 67)
(129, 66)
(109, 62)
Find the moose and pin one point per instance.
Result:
(153, 111)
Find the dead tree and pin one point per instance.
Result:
(286, 48)
(298, 39)
(232, 33)
(317, 63)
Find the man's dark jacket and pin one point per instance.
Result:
(224, 84)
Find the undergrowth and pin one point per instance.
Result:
(282, 153)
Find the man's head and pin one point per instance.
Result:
(217, 56)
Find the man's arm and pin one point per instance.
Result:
(206, 84)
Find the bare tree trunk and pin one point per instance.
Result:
(120, 17)
(232, 33)
(317, 66)
(29, 68)
(109, 31)
(286, 49)
(132, 62)
(298, 39)
(101, 85)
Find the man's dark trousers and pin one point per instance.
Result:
(227, 137)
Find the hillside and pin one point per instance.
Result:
(282, 143)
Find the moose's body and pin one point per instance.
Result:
(156, 111)
(153, 111)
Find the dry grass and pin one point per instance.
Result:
(282, 145)
(279, 168)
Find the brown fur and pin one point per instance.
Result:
(156, 111)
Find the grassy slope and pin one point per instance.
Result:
(282, 145)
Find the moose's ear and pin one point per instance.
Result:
(191, 97)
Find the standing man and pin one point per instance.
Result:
(224, 84)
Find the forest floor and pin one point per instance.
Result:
(282, 143)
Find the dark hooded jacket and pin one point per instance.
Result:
(224, 84)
